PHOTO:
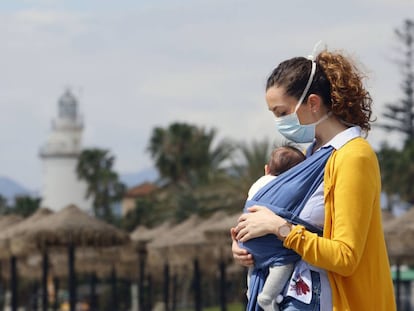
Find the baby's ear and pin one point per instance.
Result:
(266, 170)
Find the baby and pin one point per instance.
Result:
(282, 159)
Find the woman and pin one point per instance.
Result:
(324, 102)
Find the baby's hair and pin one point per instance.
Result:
(284, 157)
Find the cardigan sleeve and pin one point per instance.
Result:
(351, 183)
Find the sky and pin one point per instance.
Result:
(135, 65)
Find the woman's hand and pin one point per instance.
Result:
(259, 222)
(240, 255)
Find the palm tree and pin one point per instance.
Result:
(25, 205)
(254, 156)
(95, 166)
(184, 153)
(3, 205)
(397, 172)
(399, 113)
(388, 159)
(194, 168)
(405, 171)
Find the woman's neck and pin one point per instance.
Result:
(328, 130)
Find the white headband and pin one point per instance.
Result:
(312, 74)
(312, 56)
(305, 91)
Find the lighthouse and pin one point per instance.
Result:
(61, 185)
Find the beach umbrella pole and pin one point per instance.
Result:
(174, 292)
(114, 290)
(197, 286)
(56, 287)
(166, 285)
(398, 285)
(13, 286)
(149, 300)
(222, 268)
(72, 277)
(45, 267)
(93, 292)
(1, 283)
(142, 255)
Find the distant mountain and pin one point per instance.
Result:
(133, 179)
(10, 188)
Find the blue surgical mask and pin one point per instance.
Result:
(289, 125)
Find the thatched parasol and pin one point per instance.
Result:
(219, 235)
(145, 234)
(399, 236)
(193, 243)
(160, 250)
(386, 216)
(5, 222)
(224, 225)
(6, 240)
(70, 228)
(196, 236)
(17, 230)
(9, 220)
(164, 239)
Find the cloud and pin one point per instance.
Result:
(137, 65)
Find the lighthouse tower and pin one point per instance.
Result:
(61, 185)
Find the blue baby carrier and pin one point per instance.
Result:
(286, 196)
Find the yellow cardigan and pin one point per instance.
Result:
(352, 248)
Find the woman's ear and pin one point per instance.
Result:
(315, 103)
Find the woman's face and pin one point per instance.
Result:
(281, 105)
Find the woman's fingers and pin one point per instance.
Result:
(242, 235)
(259, 221)
(257, 208)
(241, 256)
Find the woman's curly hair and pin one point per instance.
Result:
(337, 80)
(350, 101)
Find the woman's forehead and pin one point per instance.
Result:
(276, 97)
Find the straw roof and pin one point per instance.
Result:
(18, 229)
(168, 237)
(219, 234)
(399, 236)
(144, 234)
(70, 226)
(196, 235)
(224, 224)
(93, 260)
(27, 268)
(159, 248)
(9, 220)
(386, 216)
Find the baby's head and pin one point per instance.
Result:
(283, 158)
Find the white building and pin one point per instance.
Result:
(59, 155)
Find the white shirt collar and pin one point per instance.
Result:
(343, 137)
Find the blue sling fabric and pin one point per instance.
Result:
(286, 196)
